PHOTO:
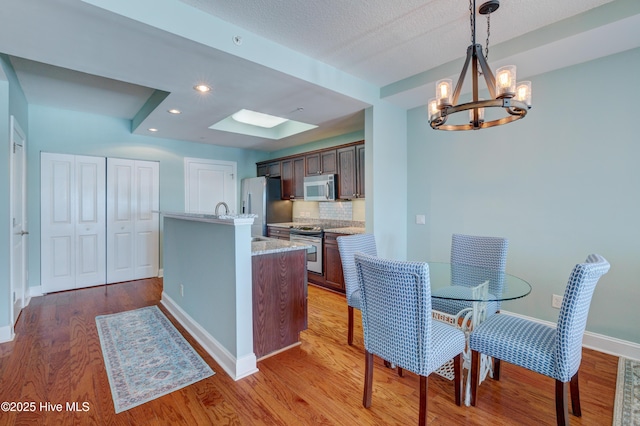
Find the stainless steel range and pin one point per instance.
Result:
(312, 235)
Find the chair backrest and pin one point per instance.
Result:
(348, 246)
(396, 311)
(486, 252)
(572, 319)
(489, 253)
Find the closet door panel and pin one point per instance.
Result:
(57, 222)
(91, 222)
(132, 219)
(120, 220)
(147, 224)
(72, 221)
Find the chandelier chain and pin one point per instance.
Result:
(471, 22)
(486, 48)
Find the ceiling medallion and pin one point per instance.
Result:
(514, 98)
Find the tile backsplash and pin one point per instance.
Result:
(344, 213)
(336, 210)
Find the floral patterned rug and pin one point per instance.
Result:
(627, 404)
(146, 357)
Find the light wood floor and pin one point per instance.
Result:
(56, 357)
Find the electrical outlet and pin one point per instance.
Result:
(181, 290)
(556, 301)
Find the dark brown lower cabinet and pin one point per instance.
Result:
(279, 300)
(333, 278)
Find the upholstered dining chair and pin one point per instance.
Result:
(489, 253)
(347, 246)
(555, 352)
(397, 324)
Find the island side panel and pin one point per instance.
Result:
(201, 257)
(279, 300)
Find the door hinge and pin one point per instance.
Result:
(14, 297)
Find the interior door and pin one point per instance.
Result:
(18, 220)
(208, 182)
(133, 227)
(73, 221)
(147, 225)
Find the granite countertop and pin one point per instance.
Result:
(273, 245)
(284, 224)
(351, 230)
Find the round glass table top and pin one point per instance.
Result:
(453, 282)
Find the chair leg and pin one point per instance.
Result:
(457, 378)
(422, 413)
(350, 326)
(475, 370)
(368, 379)
(496, 369)
(400, 371)
(575, 396)
(562, 408)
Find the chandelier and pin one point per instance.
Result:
(508, 98)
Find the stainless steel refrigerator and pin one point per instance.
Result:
(261, 196)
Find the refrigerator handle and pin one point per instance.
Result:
(243, 206)
(249, 198)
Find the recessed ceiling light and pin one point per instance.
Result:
(258, 118)
(203, 88)
(152, 129)
(174, 111)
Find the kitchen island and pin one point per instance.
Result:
(241, 298)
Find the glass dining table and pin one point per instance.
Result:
(466, 292)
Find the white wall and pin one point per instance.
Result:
(560, 184)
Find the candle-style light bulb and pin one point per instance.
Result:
(506, 81)
(523, 92)
(443, 93)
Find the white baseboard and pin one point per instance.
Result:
(598, 342)
(6, 334)
(160, 273)
(35, 291)
(234, 367)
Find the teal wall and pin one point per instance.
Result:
(63, 131)
(560, 184)
(12, 102)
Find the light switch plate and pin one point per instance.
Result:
(421, 219)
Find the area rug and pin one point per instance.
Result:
(626, 410)
(146, 357)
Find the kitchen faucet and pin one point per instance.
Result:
(226, 207)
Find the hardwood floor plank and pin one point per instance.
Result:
(56, 357)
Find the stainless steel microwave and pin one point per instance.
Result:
(320, 188)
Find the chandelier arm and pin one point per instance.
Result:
(463, 73)
(486, 71)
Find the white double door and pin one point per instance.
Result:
(90, 208)
(133, 239)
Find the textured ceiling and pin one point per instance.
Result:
(108, 57)
(385, 41)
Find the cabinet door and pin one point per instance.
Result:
(321, 163)
(333, 277)
(298, 178)
(360, 171)
(293, 178)
(268, 169)
(347, 187)
(286, 179)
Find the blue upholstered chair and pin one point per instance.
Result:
(348, 246)
(490, 253)
(397, 324)
(555, 352)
